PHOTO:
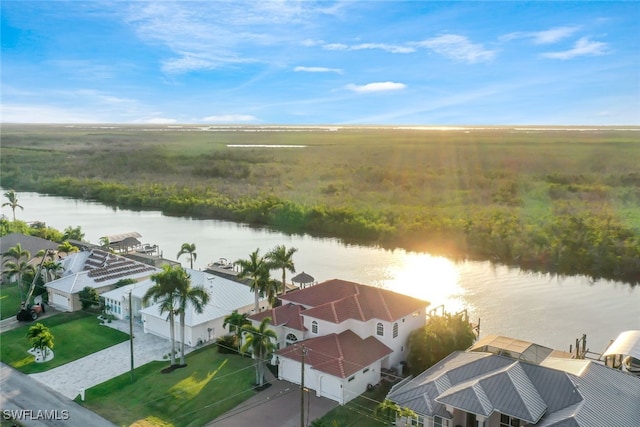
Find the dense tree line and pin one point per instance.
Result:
(569, 240)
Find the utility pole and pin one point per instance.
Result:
(131, 332)
(304, 353)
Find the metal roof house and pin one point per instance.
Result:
(95, 269)
(480, 389)
(225, 297)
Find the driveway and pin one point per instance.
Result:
(277, 406)
(69, 379)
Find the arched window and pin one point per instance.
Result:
(291, 338)
(380, 329)
(314, 327)
(395, 329)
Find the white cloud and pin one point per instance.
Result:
(209, 35)
(85, 69)
(311, 42)
(15, 113)
(458, 48)
(549, 36)
(103, 98)
(583, 47)
(230, 118)
(376, 87)
(364, 46)
(335, 46)
(383, 46)
(318, 70)
(190, 62)
(158, 121)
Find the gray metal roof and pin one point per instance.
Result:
(508, 391)
(483, 383)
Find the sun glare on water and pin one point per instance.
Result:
(434, 279)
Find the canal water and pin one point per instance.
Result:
(548, 310)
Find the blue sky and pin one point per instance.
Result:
(342, 62)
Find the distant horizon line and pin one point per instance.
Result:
(327, 125)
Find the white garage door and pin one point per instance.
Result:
(61, 301)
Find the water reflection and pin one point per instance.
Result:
(434, 279)
(536, 307)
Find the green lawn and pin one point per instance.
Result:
(75, 335)
(209, 386)
(9, 300)
(359, 412)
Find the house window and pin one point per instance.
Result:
(395, 330)
(291, 338)
(380, 329)
(314, 327)
(439, 422)
(365, 371)
(507, 421)
(416, 314)
(352, 378)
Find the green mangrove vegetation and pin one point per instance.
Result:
(554, 200)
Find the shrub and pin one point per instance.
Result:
(226, 344)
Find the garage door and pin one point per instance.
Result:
(61, 302)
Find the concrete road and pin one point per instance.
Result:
(36, 405)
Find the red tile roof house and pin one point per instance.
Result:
(349, 332)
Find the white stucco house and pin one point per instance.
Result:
(116, 301)
(96, 269)
(225, 295)
(349, 333)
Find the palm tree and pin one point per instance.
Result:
(50, 270)
(18, 269)
(190, 249)
(270, 290)
(256, 269)
(74, 233)
(13, 202)
(261, 341)
(67, 248)
(104, 242)
(197, 297)
(165, 292)
(41, 338)
(281, 258)
(236, 321)
(17, 253)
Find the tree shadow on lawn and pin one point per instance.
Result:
(209, 386)
(172, 368)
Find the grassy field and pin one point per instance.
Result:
(9, 300)
(75, 335)
(558, 200)
(209, 386)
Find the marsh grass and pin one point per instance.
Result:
(496, 194)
